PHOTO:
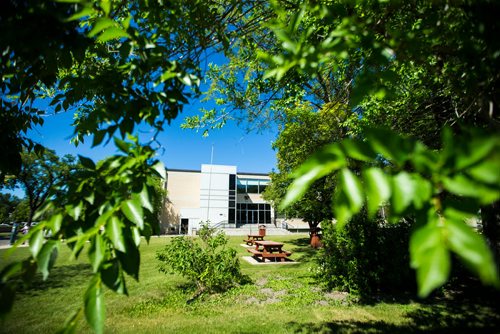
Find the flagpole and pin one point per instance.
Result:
(210, 181)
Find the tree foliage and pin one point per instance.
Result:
(123, 65)
(441, 189)
(305, 131)
(8, 204)
(117, 66)
(366, 257)
(42, 174)
(440, 62)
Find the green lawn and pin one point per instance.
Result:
(281, 299)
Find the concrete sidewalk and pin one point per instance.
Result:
(4, 244)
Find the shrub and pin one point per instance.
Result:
(205, 261)
(366, 257)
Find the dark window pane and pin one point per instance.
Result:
(232, 193)
(253, 189)
(232, 181)
(242, 186)
(268, 217)
(243, 217)
(268, 207)
(232, 204)
(261, 217)
(231, 216)
(261, 206)
(253, 207)
(262, 187)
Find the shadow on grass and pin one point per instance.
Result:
(436, 319)
(302, 249)
(466, 309)
(60, 277)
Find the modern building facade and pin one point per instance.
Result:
(216, 194)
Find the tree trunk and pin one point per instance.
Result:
(314, 238)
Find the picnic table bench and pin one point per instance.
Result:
(269, 250)
(251, 238)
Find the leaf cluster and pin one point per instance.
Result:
(442, 189)
(104, 206)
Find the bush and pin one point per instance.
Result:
(205, 261)
(366, 257)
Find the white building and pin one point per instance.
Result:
(216, 194)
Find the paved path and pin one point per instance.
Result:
(4, 243)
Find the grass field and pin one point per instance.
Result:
(280, 299)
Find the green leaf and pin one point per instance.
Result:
(322, 163)
(424, 160)
(86, 11)
(106, 6)
(461, 208)
(136, 236)
(115, 233)
(349, 197)
(479, 148)
(403, 191)
(55, 222)
(132, 209)
(113, 277)
(94, 305)
(353, 189)
(188, 79)
(430, 258)
(86, 162)
(167, 75)
(47, 257)
(143, 197)
(487, 171)
(36, 242)
(130, 261)
(98, 137)
(472, 248)
(71, 323)
(101, 24)
(159, 168)
(390, 145)
(377, 187)
(434, 270)
(423, 191)
(74, 211)
(112, 33)
(97, 252)
(122, 145)
(463, 186)
(358, 150)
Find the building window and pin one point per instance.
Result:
(253, 213)
(231, 216)
(242, 186)
(252, 186)
(232, 182)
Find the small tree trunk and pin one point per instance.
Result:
(314, 238)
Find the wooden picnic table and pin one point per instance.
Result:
(252, 238)
(271, 250)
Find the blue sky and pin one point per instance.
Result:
(183, 148)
